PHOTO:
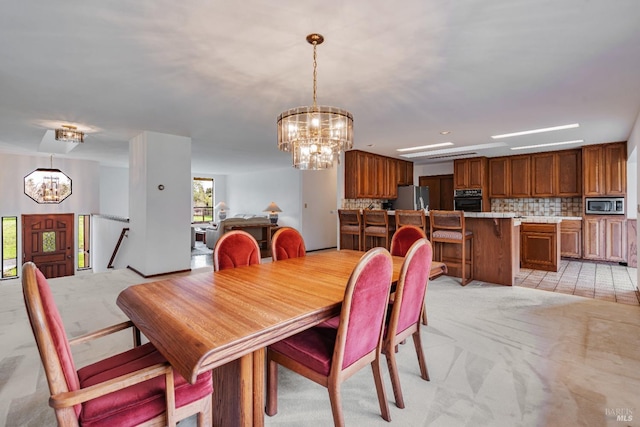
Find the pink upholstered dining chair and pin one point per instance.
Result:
(235, 248)
(287, 243)
(333, 351)
(400, 244)
(404, 237)
(131, 388)
(408, 303)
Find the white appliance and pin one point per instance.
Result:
(412, 197)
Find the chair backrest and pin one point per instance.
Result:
(411, 217)
(287, 243)
(376, 218)
(364, 309)
(235, 248)
(48, 330)
(411, 288)
(404, 237)
(350, 218)
(446, 220)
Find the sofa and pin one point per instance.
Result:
(254, 225)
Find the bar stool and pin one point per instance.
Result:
(350, 225)
(449, 227)
(376, 225)
(411, 217)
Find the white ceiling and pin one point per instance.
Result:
(221, 72)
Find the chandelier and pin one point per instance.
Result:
(69, 133)
(47, 185)
(315, 135)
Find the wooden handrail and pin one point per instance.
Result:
(115, 250)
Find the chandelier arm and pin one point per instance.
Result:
(315, 74)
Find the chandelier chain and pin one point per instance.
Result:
(315, 74)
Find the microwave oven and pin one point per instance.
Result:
(604, 206)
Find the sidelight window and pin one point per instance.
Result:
(84, 242)
(9, 247)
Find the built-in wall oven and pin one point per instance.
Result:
(604, 205)
(468, 200)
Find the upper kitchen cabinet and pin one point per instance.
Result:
(404, 173)
(605, 169)
(520, 176)
(370, 176)
(556, 174)
(499, 177)
(470, 173)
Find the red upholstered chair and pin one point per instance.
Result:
(235, 248)
(404, 320)
(287, 243)
(131, 388)
(402, 241)
(333, 351)
(404, 237)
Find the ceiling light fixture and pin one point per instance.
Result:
(575, 141)
(445, 132)
(47, 185)
(69, 133)
(422, 147)
(454, 150)
(315, 135)
(528, 132)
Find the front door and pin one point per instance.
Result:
(47, 241)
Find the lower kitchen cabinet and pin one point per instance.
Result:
(571, 238)
(605, 238)
(540, 246)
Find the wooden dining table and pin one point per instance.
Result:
(223, 321)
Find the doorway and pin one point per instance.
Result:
(47, 241)
(440, 191)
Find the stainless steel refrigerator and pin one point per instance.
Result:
(412, 197)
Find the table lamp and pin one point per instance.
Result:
(273, 210)
(222, 210)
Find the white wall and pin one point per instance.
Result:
(445, 168)
(85, 188)
(319, 208)
(160, 219)
(632, 170)
(250, 193)
(114, 191)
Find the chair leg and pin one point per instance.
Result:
(424, 373)
(336, 407)
(205, 418)
(272, 388)
(393, 374)
(382, 395)
(424, 314)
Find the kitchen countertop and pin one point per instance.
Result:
(515, 216)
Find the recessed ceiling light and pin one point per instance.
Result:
(422, 147)
(445, 132)
(370, 145)
(575, 141)
(527, 132)
(454, 150)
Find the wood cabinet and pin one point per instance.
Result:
(571, 238)
(520, 176)
(556, 174)
(470, 173)
(440, 191)
(499, 177)
(372, 176)
(568, 173)
(540, 246)
(404, 172)
(605, 238)
(605, 169)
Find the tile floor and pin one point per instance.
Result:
(609, 282)
(604, 281)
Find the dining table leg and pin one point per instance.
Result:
(238, 391)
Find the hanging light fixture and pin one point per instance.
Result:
(47, 185)
(69, 133)
(315, 135)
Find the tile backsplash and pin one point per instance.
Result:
(555, 206)
(361, 203)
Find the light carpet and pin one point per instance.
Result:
(497, 356)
